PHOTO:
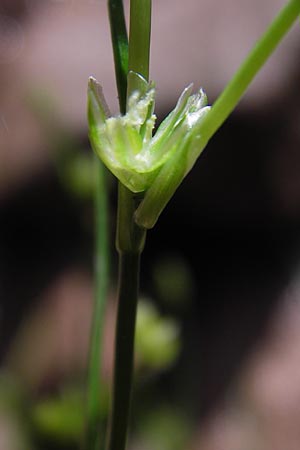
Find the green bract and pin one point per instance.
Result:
(153, 165)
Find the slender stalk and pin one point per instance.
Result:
(139, 37)
(236, 88)
(101, 288)
(130, 242)
(128, 294)
(120, 48)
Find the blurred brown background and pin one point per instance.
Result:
(230, 235)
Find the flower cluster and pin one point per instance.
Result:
(157, 164)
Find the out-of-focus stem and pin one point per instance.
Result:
(101, 288)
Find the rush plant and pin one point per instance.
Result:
(149, 167)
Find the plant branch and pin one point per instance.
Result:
(236, 88)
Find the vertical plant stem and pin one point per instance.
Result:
(139, 37)
(101, 288)
(128, 294)
(120, 48)
(130, 243)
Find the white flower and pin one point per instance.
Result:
(154, 165)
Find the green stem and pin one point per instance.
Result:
(130, 243)
(139, 37)
(120, 48)
(236, 88)
(124, 348)
(101, 288)
(129, 264)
